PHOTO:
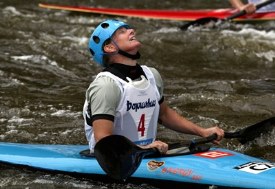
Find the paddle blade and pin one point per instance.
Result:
(118, 156)
(251, 132)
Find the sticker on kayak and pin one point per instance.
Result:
(214, 154)
(153, 165)
(189, 173)
(255, 167)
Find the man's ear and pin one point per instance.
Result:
(110, 48)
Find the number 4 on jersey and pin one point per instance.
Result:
(141, 125)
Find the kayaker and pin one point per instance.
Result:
(127, 98)
(250, 7)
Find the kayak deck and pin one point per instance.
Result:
(183, 15)
(217, 166)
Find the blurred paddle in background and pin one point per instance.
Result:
(210, 22)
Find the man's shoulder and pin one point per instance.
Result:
(155, 73)
(104, 79)
(104, 84)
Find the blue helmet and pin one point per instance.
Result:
(102, 32)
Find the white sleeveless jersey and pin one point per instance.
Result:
(138, 110)
(267, 8)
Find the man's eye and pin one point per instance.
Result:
(122, 30)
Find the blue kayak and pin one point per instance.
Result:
(215, 167)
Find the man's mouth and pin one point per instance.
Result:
(133, 38)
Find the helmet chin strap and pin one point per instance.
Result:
(133, 57)
(123, 53)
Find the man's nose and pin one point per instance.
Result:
(131, 30)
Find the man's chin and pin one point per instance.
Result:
(134, 49)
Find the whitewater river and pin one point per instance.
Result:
(220, 76)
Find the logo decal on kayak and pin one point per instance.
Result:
(214, 154)
(255, 167)
(153, 165)
(188, 173)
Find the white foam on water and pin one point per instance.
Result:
(16, 119)
(35, 59)
(81, 41)
(54, 67)
(25, 57)
(12, 132)
(8, 81)
(263, 34)
(11, 11)
(21, 122)
(2, 120)
(258, 34)
(258, 38)
(267, 139)
(69, 184)
(65, 113)
(269, 55)
(43, 181)
(167, 30)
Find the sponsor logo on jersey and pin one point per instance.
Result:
(144, 142)
(255, 167)
(140, 105)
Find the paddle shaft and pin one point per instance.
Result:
(245, 134)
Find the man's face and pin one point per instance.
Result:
(126, 40)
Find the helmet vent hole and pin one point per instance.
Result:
(105, 25)
(92, 52)
(96, 39)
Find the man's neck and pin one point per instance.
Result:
(123, 60)
(123, 71)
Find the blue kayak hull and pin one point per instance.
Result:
(219, 167)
